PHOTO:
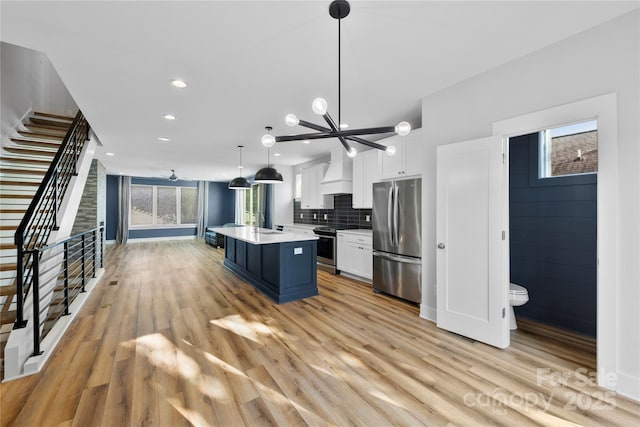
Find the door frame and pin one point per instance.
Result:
(604, 109)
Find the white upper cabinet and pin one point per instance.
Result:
(311, 197)
(366, 171)
(408, 158)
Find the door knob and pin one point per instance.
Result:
(440, 245)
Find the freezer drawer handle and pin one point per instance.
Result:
(397, 258)
(440, 245)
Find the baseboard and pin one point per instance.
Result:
(428, 313)
(356, 277)
(158, 239)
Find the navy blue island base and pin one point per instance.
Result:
(283, 271)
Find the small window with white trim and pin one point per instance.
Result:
(569, 150)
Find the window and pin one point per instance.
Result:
(160, 206)
(569, 150)
(249, 206)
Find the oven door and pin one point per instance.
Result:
(327, 250)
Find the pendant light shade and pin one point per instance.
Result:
(239, 183)
(268, 175)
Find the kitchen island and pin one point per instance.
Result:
(281, 265)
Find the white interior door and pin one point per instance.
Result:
(472, 269)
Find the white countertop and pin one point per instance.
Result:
(359, 232)
(263, 236)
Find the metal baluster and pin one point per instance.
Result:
(101, 244)
(55, 201)
(66, 278)
(94, 236)
(83, 264)
(36, 302)
(20, 322)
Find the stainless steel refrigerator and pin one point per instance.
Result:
(397, 238)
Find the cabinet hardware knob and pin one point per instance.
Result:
(440, 245)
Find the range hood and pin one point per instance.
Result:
(339, 176)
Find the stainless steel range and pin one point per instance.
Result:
(327, 248)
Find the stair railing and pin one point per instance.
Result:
(42, 215)
(80, 255)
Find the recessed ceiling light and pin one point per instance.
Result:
(110, 154)
(306, 141)
(164, 139)
(240, 167)
(179, 83)
(169, 117)
(276, 154)
(343, 125)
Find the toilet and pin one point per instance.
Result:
(518, 295)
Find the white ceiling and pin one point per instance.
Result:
(248, 64)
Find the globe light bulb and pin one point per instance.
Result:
(352, 152)
(291, 120)
(319, 106)
(390, 151)
(268, 140)
(403, 128)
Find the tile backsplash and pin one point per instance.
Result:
(341, 216)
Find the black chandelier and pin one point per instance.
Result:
(338, 9)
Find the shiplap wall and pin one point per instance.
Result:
(553, 229)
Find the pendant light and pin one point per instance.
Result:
(268, 175)
(239, 183)
(338, 9)
(173, 176)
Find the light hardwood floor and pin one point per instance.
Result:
(169, 337)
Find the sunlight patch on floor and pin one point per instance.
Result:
(245, 328)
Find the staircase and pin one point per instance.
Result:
(23, 164)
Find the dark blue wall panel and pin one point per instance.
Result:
(222, 204)
(221, 208)
(112, 208)
(553, 228)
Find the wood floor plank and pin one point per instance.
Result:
(171, 337)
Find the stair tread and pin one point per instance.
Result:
(54, 116)
(16, 196)
(8, 290)
(53, 130)
(5, 246)
(19, 183)
(14, 171)
(30, 152)
(51, 123)
(40, 135)
(42, 162)
(8, 317)
(32, 143)
(7, 267)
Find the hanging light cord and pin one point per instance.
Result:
(339, 77)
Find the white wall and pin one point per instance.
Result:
(601, 60)
(28, 82)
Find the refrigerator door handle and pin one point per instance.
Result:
(389, 215)
(396, 258)
(396, 232)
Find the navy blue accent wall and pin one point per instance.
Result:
(222, 204)
(111, 223)
(553, 229)
(221, 208)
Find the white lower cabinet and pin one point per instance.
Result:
(298, 230)
(355, 253)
